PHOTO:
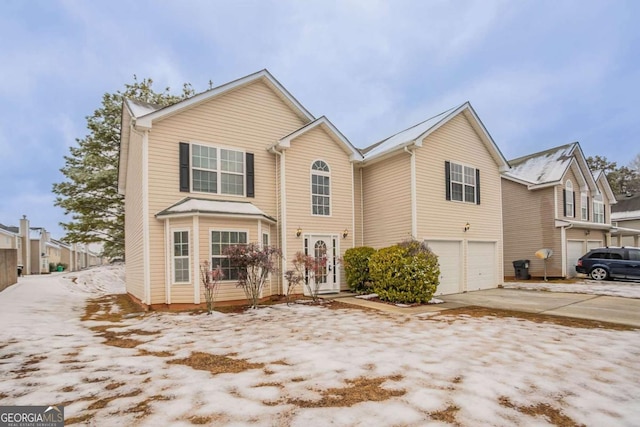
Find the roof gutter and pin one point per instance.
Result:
(414, 202)
(282, 213)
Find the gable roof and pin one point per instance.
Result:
(599, 176)
(416, 134)
(191, 205)
(548, 167)
(150, 113)
(325, 123)
(627, 208)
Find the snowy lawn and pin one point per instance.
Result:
(626, 289)
(304, 365)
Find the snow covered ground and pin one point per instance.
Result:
(304, 365)
(585, 286)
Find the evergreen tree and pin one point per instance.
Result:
(90, 191)
(624, 179)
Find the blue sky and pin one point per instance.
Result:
(538, 73)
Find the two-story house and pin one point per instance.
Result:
(552, 200)
(246, 162)
(243, 162)
(438, 181)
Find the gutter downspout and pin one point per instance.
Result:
(414, 202)
(283, 216)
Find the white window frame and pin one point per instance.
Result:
(321, 174)
(598, 209)
(584, 206)
(569, 207)
(218, 170)
(224, 230)
(174, 257)
(463, 182)
(265, 239)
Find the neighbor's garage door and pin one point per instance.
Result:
(594, 244)
(575, 249)
(450, 260)
(481, 266)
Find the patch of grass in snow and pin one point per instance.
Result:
(8, 356)
(358, 390)
(269, 385)
(216, 364)
(113, 386)
(102, 309)
(3, 395)
(551, 414)
(118, 338)
(447, 415)
(143, 408)
(101, 403)
(94, 380)
(67, 389)
(143, 352)
(196, 420)
(473, 311)
(79, 419)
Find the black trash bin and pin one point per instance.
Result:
(522, 269)
(20, 267)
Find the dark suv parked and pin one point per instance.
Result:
(610, 263)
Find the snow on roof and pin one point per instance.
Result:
(139, 108)
(402, 138)
(191, 205)
(543, 167)
(617, 216)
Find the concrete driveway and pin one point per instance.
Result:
(625, 311)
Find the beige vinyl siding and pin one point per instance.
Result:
(459, 143)
(387, 201)
(251, 118)
(313, 145)
(529, 225)
(134, 273)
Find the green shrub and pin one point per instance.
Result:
(405, 273)
(356, 268)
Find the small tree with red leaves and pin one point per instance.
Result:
(210, 280)
(254, 263)
(306, 269)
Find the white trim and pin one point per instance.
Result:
(196, 259)
(168, 261)
(555, 202)
(414, 195)
(331, 237)
(285, 142)
(353, 206)
(145, 219)
(584, 206)
(283, 213)
(216, 215)
(172, 243)
(260, 233)
(563, 249)
(463, 183)
(361, 207)
(311, 194)
(568, 201)
(147, 120)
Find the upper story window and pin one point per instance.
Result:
(584, 207)
(598, 209)
(215, 170)
(569, 200)
(462, 183)
(320, 188)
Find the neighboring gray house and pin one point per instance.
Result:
(625, 216)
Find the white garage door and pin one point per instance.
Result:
(575, 249)
(450, 260)
(481, 266)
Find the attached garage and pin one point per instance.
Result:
(481, 266)
(594, 244)
(575, 249)
(450, 259)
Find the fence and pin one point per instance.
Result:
(8, 268)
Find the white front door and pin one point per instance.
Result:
(324, 250)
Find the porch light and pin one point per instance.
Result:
(467, 226)
(345, 233)
(298, 232)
